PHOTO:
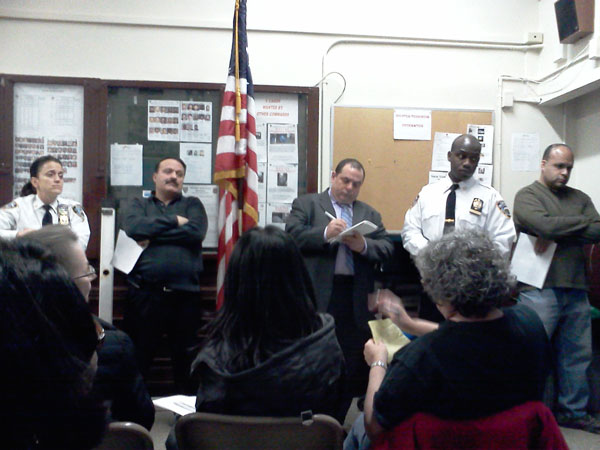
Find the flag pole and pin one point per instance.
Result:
(238, 94)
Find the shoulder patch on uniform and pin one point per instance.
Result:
(77, 209)
(501, 205)
(11, 205)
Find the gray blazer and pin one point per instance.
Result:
(307, 222)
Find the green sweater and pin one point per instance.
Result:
(567, 217)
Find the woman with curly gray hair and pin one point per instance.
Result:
(482, 360)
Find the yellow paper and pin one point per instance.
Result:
(387, 332)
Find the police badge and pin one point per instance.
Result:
(63, 214)
(476, 206)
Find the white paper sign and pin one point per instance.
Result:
(485, 136)
(282, 183)
(276, 108)
(196, 121)
(198, 159)
(48, 120)
(261, 142)
(525, 152)
(436, 176)
(126, 167)
(277, 214)
(283, 144)
(442, 143)
(209, 196)
(483, 173)
(412, 124)
(261, 170)
(163, 120)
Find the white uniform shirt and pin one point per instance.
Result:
(424, 221)
(27, 212)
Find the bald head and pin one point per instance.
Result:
(557, 163)
(464, 156)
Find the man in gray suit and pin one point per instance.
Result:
(343, 272)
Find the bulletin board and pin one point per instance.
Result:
(396, 170)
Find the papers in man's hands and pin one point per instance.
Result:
(179, 404)
(529, 267)
(364, 227)
(387, 332)
(127, 252)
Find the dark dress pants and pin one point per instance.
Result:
(351, 337)
(149, 314)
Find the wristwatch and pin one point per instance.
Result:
(379, 363)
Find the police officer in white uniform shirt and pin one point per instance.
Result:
(476, 205)
(457, 201)
(44, 206)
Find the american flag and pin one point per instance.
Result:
(235, 163)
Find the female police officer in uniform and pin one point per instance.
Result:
(40, 204)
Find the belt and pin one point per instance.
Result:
(142, 284)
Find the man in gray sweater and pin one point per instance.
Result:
(552, 211)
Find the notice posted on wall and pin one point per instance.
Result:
(525, 152)
(412, 124)
(261, 171)
(276, 108)
(198, 159)
(48, 120)
(163, 120)
(126, 166)
(485, 136)
(283, 144)
(277, 214)
(209, 196)
(282, 183)
(442, 142)
(196, 121)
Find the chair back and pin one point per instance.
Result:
(126, 436)
(526, 426)
(203, 431)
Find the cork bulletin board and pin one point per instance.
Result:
(396, 169)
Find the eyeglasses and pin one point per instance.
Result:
(91, 274)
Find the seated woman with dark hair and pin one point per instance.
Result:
(118, 381)
(268, 352)
(48, 343)
(482, 360)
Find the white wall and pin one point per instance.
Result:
(292, 42)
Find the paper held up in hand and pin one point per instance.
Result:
(364, 227)
(529, 267)
(387, 332)
(127, 252)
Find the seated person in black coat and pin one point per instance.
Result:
(118, 380)
(268, 352)
(482, 360)
(48, 343)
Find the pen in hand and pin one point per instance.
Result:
(328, 214)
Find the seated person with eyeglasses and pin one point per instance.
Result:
(118, 380)
(48, 351)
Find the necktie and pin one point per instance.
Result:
(450, 209)
(47, 219)
(347, 217)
